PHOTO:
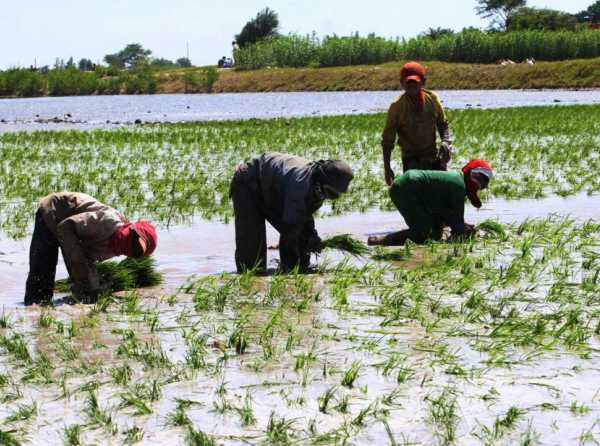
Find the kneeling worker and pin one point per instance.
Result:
(86, 231)
(429, 199)
(285, 190)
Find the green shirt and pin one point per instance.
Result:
(436, 194)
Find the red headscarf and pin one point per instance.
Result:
(472, 187)
(120, 241)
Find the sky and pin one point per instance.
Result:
(42, 30)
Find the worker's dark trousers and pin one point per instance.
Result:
(250, 227)
(43, 257)
(251, 232)
(422, 164)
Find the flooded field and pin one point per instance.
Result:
(490, 341)
(85, 112)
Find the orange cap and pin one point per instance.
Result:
(412, 71)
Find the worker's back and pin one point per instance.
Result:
(438, 191)
(285, 185)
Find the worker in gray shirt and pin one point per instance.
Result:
(284, 190)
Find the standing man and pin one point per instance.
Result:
(428, 200)
(86, 231)
(413, 120)
(284, 190)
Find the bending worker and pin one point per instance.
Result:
(428, 200)
(285, 190)
(86, 231)
(413, 119)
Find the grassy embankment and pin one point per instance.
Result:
(584, 73)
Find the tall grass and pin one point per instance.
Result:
(468, 46)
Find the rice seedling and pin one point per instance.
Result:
(97, 416)
(198, 438)
(40, 371)
(442, 410)
(7, 438)
(351, 375)
(246, 412)
(24, 412)
(326, 398)
(133, 435)
(278, 430)
(346, 243)
(178, 417)
(16, 346)
(121, 375)
(5, 319)
(72, 435)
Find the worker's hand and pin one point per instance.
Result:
(446, 152)
(470, 230)
(314, 244)
(389, 176)
(86, 294)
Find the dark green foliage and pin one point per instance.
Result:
(498, 10)
(470, 46)
(183, 62)
(162, 63)
(346, 243)
(140, 80)
(85, 65)
(22, 82)
(591, 14)
(436, 33)
(540, 19)
(263, 26)
(130, 56)
(71, 82)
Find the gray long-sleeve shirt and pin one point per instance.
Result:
(286, 187)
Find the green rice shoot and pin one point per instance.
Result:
(346, 243)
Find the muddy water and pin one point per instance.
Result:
(83, 112)
(207, 247)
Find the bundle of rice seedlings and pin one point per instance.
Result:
(346, 243)
(395, 255)
(144, 271)
(124, 275)
(492, 227)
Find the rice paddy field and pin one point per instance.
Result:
(488, 341)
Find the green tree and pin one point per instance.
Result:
(498, 11)
(526, 18)
(162, 63)
(591, 14)
(183, 62)
(263, 26)
(85, 65)
(436, 33)
(130, 56)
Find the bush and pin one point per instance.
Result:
(110, 85)
(72, 82)
(139, 81)
(472, 46)
(22, 82)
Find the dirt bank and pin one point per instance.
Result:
(583, 73)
